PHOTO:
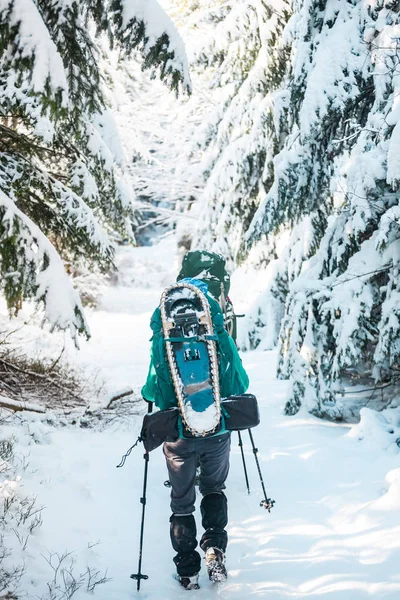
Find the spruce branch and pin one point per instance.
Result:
(374, 272)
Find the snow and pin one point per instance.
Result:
(391, 499)
(205, 420)
(158, 23)
(76, 211)
(35, 43)
(393, 163)
(334, 531)
(380, 429)
(62, 307)
(21, 405)
(327, 85)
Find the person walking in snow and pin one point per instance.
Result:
(205, 270)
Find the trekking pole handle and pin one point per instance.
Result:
(149, 406)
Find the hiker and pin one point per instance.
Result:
(206, 271)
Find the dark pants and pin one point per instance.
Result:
(182, 457)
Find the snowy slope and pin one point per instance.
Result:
(333, 534)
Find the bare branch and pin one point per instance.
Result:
(119, 396)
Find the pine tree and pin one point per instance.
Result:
(324, 211)
(339, 170)
(233, 130)
(153, 119)
(242, 64)
(61, 175)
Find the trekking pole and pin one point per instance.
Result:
(267, 503)
(139, 575)
(244, 462)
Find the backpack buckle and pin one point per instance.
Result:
(191, 354)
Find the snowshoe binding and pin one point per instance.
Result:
(189, 583)
(215, 563)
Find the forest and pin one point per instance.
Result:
(133, 131)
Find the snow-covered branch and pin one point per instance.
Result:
(30, 266)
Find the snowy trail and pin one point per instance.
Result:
(333, 534)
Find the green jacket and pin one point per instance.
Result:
(159, 388)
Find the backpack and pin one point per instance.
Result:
(210, 267)
(160, 387)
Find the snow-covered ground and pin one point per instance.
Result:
(334, 532)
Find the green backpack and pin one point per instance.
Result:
(159, 387)
(210, 267)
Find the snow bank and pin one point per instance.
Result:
(379, 430)
(391, 498)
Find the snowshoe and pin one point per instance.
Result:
(215, 563)
(189, 583)
(191, 351)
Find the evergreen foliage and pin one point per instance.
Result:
(303, 185)
(337, 316)
(336, 180)
(244, 63)
(143, 26)
(62, 181)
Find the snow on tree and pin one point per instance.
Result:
(143, 24)
(241, 63)
(339, 173)
(62, 172)
(150, 117)
(299, 159)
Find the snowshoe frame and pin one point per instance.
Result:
(204, 319)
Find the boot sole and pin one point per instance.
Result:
(192, 586)
(218, 576)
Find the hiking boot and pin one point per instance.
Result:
(215, 563)
(189, 583)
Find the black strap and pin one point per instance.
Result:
(197, 338)
(127, 453)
